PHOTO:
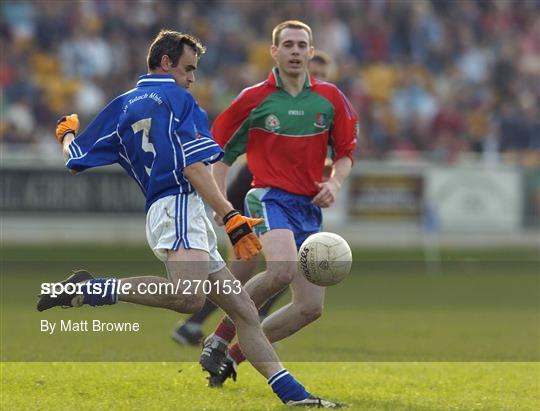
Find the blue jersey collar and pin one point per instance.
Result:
(153, 79)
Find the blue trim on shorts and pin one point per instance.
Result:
(180, 221)
(185, 219)
(176, 243)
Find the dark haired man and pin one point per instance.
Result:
(160, 136)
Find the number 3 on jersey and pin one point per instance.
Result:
(144, 126)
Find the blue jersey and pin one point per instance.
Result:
(153, 131)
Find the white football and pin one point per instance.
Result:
(324, 259)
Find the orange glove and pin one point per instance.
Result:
(67, 124)
(238, 227)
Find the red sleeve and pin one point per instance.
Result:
(344, 132)
(229, 122)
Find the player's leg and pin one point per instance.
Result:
(238, 305)
(215, 346)
(241, 310)
(175, 293)
(176, 231)
(280, 252)
(308, 299)
(278, 243)
(279, 248)
(306, 307)
(152, 291)
(186, 258)
(267, 306)
(256, 346)
(189, 332)
(186, 268)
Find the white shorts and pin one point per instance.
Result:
(180, 221)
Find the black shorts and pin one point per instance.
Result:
(238, 188)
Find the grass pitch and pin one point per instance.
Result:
(398, 334)
(181, 386)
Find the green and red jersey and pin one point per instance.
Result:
(286, 138)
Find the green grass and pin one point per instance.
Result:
(398, 334)
(181, 386)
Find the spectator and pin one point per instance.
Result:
(429, 76)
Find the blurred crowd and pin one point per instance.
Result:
(430, 78)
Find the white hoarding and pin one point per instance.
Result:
(475, 198)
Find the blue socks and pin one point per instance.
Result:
(100, 291)
(286, 387)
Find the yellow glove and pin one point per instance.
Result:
(238, 227)
(67, 124)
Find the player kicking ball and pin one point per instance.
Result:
(284, 125)
(160, 136)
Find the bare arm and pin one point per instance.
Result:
(330, 188)
(203, 181)
(342, 169)
(239, 228)
(220, 170)
(65, 143)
